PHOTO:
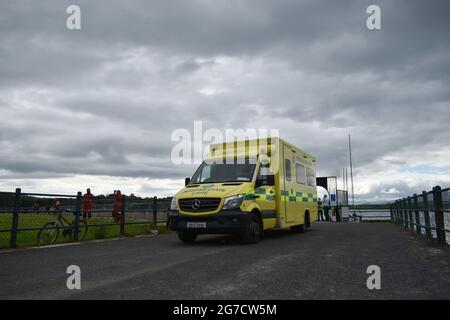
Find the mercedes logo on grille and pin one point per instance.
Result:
(196, 204)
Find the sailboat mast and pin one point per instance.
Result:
(351, 169)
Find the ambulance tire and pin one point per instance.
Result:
(298, 228)
(307, 221)
(187, 237)
(252, 232)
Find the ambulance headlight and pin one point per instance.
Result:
(233, 202)
(173, 204)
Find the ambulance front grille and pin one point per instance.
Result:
(199, 204)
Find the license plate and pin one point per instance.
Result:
(196, 225)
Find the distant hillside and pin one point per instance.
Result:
(371, 206)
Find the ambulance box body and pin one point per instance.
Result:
(246, 187)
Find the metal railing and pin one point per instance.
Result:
(370, 214)
(19, 218)
(426, 214)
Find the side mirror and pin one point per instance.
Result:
(186, 181)
(265, 181)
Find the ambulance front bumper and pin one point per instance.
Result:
(224, 222)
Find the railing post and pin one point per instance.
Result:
(76, 222)
(396, 211)
(405, 204)
(401, 214)
(416, 213)
(411, 220)
(426, 216)
(405, 213)
(439, 215)
(402, 204)
(155, 210)
(15, 219)
(122, 216)
(392, 213)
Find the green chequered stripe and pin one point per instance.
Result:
(299, 197)
(262, 195)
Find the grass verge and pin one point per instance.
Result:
(95, 231)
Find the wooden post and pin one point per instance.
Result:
(439, 216)
(403, 212)
(393, 212)
(15, 218)
(426, 216)
(122, 216)
(76, 221)
(416, 211)
(155, 211)
(396, 211)
(410, 214)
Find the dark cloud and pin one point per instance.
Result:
(104, 100)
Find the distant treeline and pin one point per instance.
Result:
(43, 202)
(371, 206)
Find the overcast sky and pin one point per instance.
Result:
(96, 107)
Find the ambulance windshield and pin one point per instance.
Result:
(212, 172)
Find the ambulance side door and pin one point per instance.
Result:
(265, 195)
(288, 195)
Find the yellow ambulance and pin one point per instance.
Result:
(246, 187)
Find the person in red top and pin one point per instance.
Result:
(56, 209)
(88, 199)
(57, 204)
(117, 205)
(35, 206)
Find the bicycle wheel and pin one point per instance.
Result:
(48, 234)
(82, 230)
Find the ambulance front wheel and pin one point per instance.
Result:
(252, 231)
(187, 237)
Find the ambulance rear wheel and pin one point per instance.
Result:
(298, 228)
(252, 232)
(307, 221)
(187, 237)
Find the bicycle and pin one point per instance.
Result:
(50, 231)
